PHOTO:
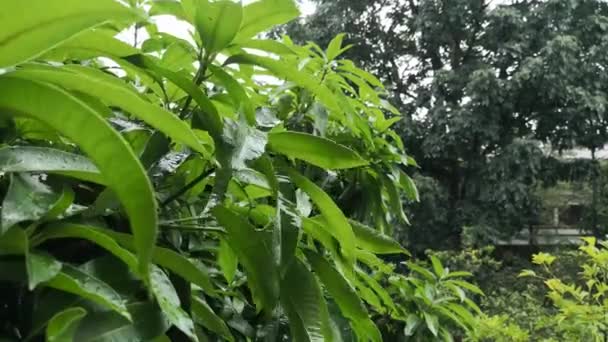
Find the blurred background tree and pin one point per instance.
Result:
(491, 93)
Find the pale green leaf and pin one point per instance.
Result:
(263, 15)
(28, 31)
(315, 150)
(217, 23)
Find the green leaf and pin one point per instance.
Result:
(14, 242)
(263, 15)
(334, 49)
(106, 326)
(346, 297)
(63, 325)
(468, 286)
(90, 44)
(211, 119)
(169, 302)
(227, 260)
(28, 31)
(432, 323)
(437, 266)
(237, 93)
(247, 143)
(217, 23)
(411, 323)
(108, 150)
(170, 260)
(205, 316)
(336, 221)
(68, 230)
(290, 73)
(315, 150)
(372, 240)
(526, 273)
(168, 7)
(40, 268)
(42, 159)
(267, 45)
(75, 281)
(394, 200)
(254, 250)
(407, 184)
(115, 93)
(304, 305)
(27, 199)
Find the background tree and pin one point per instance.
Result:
(482, 83)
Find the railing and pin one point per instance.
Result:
(546, 235)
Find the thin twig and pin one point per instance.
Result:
(187, 187)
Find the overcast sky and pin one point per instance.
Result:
(181, 29)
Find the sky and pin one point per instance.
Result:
(180, 29)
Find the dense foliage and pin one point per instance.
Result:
(221, 187)
(487, 88)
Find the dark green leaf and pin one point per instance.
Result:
(254, 250)
(108, 150)
(106, 326)
(305, 306)
(204, 315)
(169, 302)
(345, 296)
(75, 281)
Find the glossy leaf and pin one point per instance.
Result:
(253, 248)
(305, 306)
(204, 315)
(67, 230)
(374, 241)
(227, 260)
(315, 150)
(28, 31)
(63, 325)
(27, 199)
(337, 223)
(115, 93)
(40, 268)
(170, 260)
(108, 150)
(345, 296)
(75, 281)
(107, 326)
(169, 302)
(43, 159)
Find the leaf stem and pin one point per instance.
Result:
(187, 187)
